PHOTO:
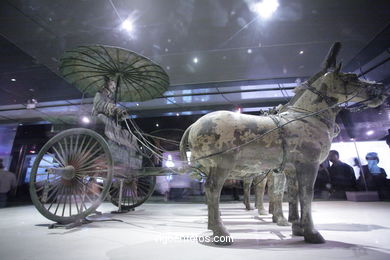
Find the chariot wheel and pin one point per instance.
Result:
(71, 175)
(135, 190)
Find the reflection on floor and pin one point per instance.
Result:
(168, 231)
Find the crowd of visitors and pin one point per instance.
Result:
(339, 177)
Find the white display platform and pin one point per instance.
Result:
(353, 230)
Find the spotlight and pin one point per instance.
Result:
(249, 51)
(370, 132)
(137, 104)
(300, 52)
(85, 120)
(177, 114)
(265, 8)
(127, 25)
(157, 125)
(195, 60)
(13, 79)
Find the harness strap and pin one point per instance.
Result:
(329, 100)
(276, 120)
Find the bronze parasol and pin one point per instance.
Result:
(137, 77)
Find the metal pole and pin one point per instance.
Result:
(360, 166)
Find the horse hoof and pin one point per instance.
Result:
(282, 222)
(262, 212)
(314, 238)
(297, 230)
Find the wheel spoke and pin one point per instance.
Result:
(59, 156)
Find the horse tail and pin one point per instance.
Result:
(184, 144)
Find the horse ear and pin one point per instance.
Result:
(338, 68)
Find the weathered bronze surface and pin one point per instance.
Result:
(227, 145)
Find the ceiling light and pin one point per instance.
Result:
(195, 60)
(265, 8)
(300, 52)
(370, 132)
(85, 120)
(249, 51)
(127, 25)
(157, 125)
(13, 79)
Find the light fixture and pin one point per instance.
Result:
(137, 105)
(249, 51)
(127, 25)
(265, 8)
(300, 52)
(31, 103)
(170, 162)
(370, 132)
(188, 153)
(157, 125)
(195, 60)
(13, 79)
(85, 120)
(177, 114)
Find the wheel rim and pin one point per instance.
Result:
(135, 191)
(71, 175)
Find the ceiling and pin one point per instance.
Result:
(243, 60)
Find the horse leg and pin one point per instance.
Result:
(306, 175)
(247, 192)
(213, 187)
(292, 194)
(270, 182)
(279, 182)
(259, 191)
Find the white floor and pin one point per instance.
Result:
(156, 231)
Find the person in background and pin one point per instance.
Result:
(342, 177)
(322, 184)
(7, 182)
(375, 177)
(387, 138)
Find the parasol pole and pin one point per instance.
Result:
(118, 79)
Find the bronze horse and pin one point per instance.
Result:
(226, 145)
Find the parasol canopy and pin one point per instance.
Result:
(137, 77)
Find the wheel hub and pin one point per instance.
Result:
(67, 173)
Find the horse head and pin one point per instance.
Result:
(345, 87)
(339, 87)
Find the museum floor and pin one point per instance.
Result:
(156, 231)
